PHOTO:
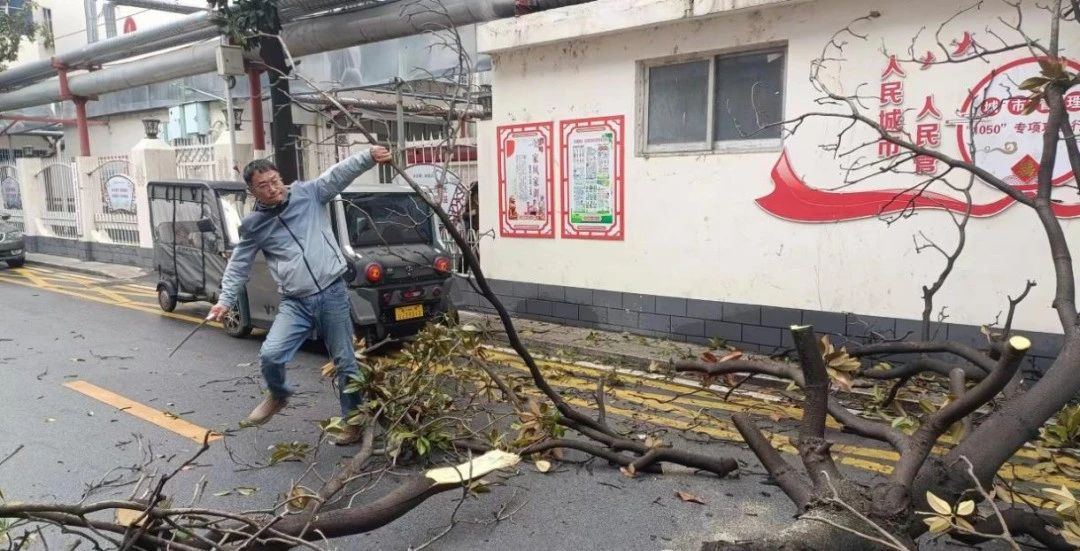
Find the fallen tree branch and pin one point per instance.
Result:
(968, 353)
(404, 498)
(813, 448)
(797, 489)
(931, 429)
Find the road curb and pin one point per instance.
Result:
(641, 363)
(82, 268)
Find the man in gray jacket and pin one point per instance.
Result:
(291, 226)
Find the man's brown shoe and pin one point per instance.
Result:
(351, 434)
(265, 410)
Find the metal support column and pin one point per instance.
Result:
(258, 133)
(82, 126)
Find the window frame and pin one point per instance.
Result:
(711, 145)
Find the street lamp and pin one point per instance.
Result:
(238, 113)
(151, 127)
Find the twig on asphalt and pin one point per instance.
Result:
(12, 454)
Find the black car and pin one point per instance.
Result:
(12, 246)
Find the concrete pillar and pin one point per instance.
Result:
(151, 160)
(28, 172)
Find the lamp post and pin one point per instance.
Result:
(151, 127)
(232, 116)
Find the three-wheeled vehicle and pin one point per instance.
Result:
(399, 272)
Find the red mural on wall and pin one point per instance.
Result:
(1006, 141)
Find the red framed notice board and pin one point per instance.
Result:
(592, 159)
(526, 180)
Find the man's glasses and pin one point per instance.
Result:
(263, 186)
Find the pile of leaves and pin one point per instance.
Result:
(416, 393)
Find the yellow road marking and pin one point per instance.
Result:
(648, 399)
(130, 305)
(737, 404)
(132, 293)
(723, 429)
(63, 274)
(33, 278)
(146, 413)
(108, 293)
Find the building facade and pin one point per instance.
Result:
(640, 188)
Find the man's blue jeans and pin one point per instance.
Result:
(328, 313)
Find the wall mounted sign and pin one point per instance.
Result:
(1007, 143)
(592, 160)
(9, 191)
(526, 183)
(119, 193)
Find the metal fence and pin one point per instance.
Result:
(196, 162)
(113, 191)
(10, 196)
(61, 200)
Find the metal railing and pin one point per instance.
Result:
(196, 162)
(61, 214)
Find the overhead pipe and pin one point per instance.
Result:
(158, 6)
(187, 29)
(387, 106)
(303, 38)
(47, 120)
(384, 22)
(190, 28)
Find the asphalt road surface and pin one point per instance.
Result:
(89, 394)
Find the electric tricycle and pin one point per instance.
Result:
(399, 274)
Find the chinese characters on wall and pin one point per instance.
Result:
(994, 128)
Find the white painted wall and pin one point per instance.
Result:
(693, 229)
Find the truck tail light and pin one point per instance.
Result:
(387, 297)
(441, 264)
(374, 272)
(412, 294)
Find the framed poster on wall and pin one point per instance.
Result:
(592, 158)
(526, 180)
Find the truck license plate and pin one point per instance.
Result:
(408, 312)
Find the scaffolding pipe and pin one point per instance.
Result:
(303, 38)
